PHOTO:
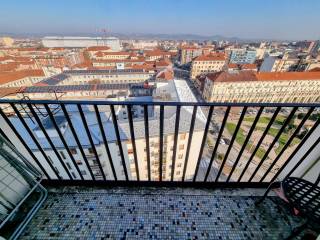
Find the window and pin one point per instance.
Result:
(181, 146)
(83, 172)
(62, 155)
(178, 172)
(90, 150)
(180, 156)
(79, 162)
(179, 165)
(73, 151)
(50, 159)
(68, 165)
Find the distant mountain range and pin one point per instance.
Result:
(149, 36)
(177, 37)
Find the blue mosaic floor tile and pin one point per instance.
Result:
(128, 215)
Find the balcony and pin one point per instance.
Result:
(224, 156)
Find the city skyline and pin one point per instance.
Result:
(284, 20)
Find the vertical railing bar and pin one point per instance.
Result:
(49, 140)
(284, 125)
(203, 142)
(288, 143)
(116, 128)
(246, 142)
(231, 142)
(75, 136)
(86, 127)
(161, 142)
(62, 139)
(176, 133)
(305, 138)
(34, 139)
(146, 132)
(24, 143)
(133, 141)
(317, 180)
(217, 143)
(25, 111)
(104, 138)
(193, 118)
(259, 142)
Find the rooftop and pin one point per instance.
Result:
(211, 57)
(244, 76)
(13, 76)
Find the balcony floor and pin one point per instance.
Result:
(146, 213)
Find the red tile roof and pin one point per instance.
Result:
(233, 65)
(187, 47)
(32, 49)
(166, 75)
(12, 76)
(98, 48)
(232, 77)
(156, 52)
(267, 76)
(211, 57)
(6, 91)
(163, 63)
(262, 76)
(249, 66)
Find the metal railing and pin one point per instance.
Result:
(225, 144)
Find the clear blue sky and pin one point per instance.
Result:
(279, 19)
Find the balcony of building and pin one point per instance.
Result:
(177, 171)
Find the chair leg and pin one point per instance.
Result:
(271, 186)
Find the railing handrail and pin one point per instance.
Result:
(160, 103)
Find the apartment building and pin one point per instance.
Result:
(110, 55)
(95, 49)
(85, 77)
(21, 78)
(187, 53)
(288, 62)
(242, 55)
(6, 41)
(81, 42)
(153, 55)
(88, 165)
(117, 63)
(76, 92)
(249, 86)
(232, 67)
(207, 63)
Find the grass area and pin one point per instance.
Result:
(265, 120)
(284, 137)
(260, 152)
(240, 138)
